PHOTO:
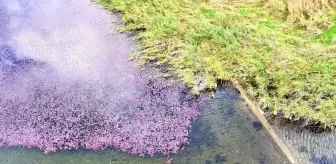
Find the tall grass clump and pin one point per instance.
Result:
(306, 13)
(288, 71)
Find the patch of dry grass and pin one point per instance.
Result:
(306, 13)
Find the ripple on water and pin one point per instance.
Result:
(306, 145)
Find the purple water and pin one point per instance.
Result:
(65, 83)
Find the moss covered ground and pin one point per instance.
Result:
(287, 66)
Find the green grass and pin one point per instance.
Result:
(201, 42)
(329, 36)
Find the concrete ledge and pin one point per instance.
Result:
(259, 114)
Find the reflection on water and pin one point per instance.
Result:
(228, 133)
(307, 146)
(225, 133)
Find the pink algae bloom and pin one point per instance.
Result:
(72, 116)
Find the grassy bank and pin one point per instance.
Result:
(282, 53)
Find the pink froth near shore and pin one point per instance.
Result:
(72, 116)
(66, 83)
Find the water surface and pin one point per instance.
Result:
(64, 56)
(225, 133)
(308, 145)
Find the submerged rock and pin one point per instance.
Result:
(220, 159)
(257, 125)
(322, 160)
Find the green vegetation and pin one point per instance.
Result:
(283, 53)
(329, 36)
